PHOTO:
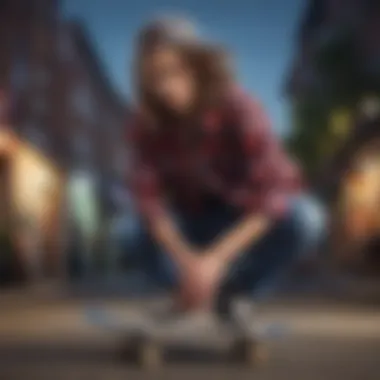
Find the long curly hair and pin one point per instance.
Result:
(210, 63)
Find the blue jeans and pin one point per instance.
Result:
(258, 269)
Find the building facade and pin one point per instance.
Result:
(96, 116)
(66, 121)
(323, 23)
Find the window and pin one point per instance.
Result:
(83, 103)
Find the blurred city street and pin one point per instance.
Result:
(73, 78)
(51, 339)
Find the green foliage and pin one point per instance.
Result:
(310, 119)
(344, 84)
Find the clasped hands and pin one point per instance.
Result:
(200, 277)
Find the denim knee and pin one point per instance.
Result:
(309, 219)
(134, 238)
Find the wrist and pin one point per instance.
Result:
(183, 254)
(220, 254)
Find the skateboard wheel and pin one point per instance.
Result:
(149, 355)
(251, 353)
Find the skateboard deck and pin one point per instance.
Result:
(151, 329)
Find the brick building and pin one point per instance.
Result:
(66, 122)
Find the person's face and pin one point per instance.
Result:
(171, 80)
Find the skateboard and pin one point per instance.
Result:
(150, 331)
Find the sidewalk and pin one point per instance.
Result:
(67, 321)
(47, 331)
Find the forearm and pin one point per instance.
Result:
(167, 235)
(247, 231)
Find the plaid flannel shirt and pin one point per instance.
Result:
(232, 154)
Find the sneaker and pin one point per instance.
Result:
(243, 313)
(241, 318)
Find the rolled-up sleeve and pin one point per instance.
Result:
(270, 177)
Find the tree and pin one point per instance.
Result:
(343, 81)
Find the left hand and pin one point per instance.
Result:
(199, 287)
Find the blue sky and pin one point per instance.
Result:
(259, 33)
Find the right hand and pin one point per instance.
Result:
(199, 280)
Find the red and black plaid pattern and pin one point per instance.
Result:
(232, 154)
